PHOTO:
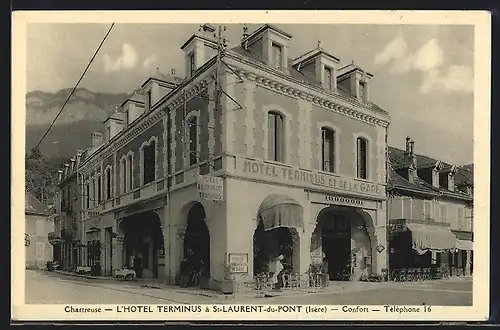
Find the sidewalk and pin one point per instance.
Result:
(333, 287)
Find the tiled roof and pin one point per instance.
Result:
(397, 181)
(33, 205)
(296, 74)
(399, 161)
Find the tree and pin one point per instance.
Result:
(41, 175)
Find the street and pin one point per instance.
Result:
(52, 288)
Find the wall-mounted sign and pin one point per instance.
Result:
(210, 187)
(238, 262)
(380, 248)
(296, 176)
(343, 200)
(92, 213)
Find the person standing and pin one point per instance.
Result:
(276, 268)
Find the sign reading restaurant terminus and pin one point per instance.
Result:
(210, 187)
(299, 177)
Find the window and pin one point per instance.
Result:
(40, 250)
(361, 162)
(127, 118)
(149, 100)
(108, 133)
(276, 56)
(442, 213)
(328, 78)
(428, 210)
(149, 162)
(108, 183)
(94, 195)
(191, 64)
(87, 195)
(99, 189)
(193, 141)
(275, 137)
(328, 145)
(130, 173)
(362, 91)
(124, 175)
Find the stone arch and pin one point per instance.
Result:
(196, 239)
(361, 242)
(144, 243)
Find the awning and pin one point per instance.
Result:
(465, 245)
(281, 211)
(431, 238)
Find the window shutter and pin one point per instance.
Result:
(323, 146)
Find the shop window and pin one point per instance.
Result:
(275, 137)
(362, 157)
(328, 147)
(193, 140)
(149, 162)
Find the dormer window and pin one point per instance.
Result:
(108, 133)
(276, 60)
(191, 64)
(149, 100)
(435, 178)
(328, 78)
(362, 91)
(127, 118)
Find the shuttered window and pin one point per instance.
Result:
(130, 172)
(275, 137)
(108, 183)
(99, 190)
(328, 147)
(362, 158)
(124, 175)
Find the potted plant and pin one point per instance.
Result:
(228, 284)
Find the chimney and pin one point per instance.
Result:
(96, 138)
(79, 154)
(412, 153)
(59, 174)
(407, 149)
(72, 164)
(66, 168)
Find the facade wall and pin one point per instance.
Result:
(40, 250)
(457, 213)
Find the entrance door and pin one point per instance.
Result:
(336, 238)
(197, 239)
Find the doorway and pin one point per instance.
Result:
(336, 244)
(197, 240)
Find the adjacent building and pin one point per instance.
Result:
(251, 155)
(69, 251)
(430, 212)
(38, 225)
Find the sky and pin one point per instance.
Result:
(423, 75)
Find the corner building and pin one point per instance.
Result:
(299, 146)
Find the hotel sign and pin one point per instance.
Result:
(343, 200)
(210, 187)
(296, 176)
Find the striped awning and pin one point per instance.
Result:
(281, 211)
(465, 245)
(428, 237)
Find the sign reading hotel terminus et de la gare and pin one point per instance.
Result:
(210, 187)
(299, 177)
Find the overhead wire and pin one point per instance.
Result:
(74, 88)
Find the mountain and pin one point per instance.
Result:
(83, 114)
